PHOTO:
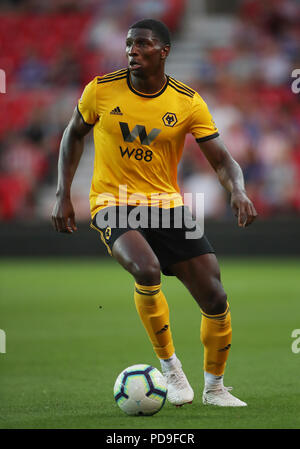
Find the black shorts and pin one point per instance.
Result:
(168, 231)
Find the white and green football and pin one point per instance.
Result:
(140, 390)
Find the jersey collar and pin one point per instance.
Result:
(141, 94)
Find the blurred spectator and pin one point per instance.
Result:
(274, 66)
(32, 71)
(203, 181)
(197, 176)
(14, 196)
(244, 64)
(279, 183)
(24, 157)
(108, 37)
(37, 127)
(65, 71)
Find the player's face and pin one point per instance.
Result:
(144, 51)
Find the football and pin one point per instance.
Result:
(140, 390)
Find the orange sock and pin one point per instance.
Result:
(216, 335)
(153, 310)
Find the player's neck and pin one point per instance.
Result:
(149, 85)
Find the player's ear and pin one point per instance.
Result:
(165, 51)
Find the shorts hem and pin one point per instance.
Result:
(166, 268)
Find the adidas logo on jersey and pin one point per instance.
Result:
(116, 111)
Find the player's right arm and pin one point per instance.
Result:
(71, 148)
(83, 119)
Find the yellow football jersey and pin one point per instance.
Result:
(139, 139)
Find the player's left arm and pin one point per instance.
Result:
(231, 177)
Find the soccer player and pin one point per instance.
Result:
(140, 116)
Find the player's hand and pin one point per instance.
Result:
(63, 216)
(243, 208)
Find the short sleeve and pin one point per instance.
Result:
(202, 125)
(87, 103)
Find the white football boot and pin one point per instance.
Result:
(220, 396)
(179, 390)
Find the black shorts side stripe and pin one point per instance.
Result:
(102, 238)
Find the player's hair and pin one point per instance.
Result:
(158, 28)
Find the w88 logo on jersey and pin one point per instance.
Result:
(137, 153)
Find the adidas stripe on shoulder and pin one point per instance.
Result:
(181, 88)
(119, 74)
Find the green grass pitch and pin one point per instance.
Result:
(71, 328)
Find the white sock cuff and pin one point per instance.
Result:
(168, 363)
(212, 380)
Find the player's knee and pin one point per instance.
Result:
(216, 302)
(146, 273)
